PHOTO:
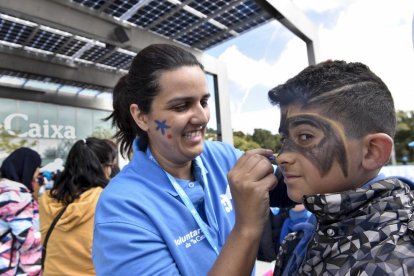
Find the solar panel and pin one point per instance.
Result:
(198, 23)
(118, 60)
(94, 53)
(239, 13)
(73, 46)
(119, 7)
(93, 4)
(175, 23)
(214, 40)
(150, 12)
(14, 32)
(208, 7)
(251, 24)
(198, 34)
(47, 41)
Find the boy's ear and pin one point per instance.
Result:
(377, 150)
(139, 117)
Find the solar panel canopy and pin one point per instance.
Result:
(198, 24)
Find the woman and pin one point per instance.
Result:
(170, 210)
(77, 188)
(20, 245)
(115, 168)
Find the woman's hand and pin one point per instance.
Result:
(250, 181)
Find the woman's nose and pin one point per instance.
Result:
(201, 115)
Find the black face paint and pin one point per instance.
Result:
(323, 154)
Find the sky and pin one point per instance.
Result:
(378, 33)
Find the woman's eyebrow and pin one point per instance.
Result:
(185, 99)
(179, 100)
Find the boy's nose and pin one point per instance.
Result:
(284, 158)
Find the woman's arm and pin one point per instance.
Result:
(250, 181)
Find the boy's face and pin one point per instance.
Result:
(316, 155)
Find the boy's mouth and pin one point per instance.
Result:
(290, 177)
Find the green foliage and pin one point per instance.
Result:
(244, 144)
(102, 133)
(9, 143)
(404, 135)
(261, 138)
(211, 134)
(266, 139)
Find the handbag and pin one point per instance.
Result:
(52, 225)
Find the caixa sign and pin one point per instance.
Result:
(34, 130)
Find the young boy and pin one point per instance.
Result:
(337, 128)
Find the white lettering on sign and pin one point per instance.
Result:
(39, 131)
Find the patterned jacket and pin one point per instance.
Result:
(20, 245)
(367, 231)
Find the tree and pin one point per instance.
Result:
(404, 135)
(102, 133)
(9, 143)
(211, 134)
(260, 139)
(266, 139)
(61, 151)
(244, 144)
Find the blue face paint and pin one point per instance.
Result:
(162, 126)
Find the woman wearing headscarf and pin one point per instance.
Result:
(20, 244)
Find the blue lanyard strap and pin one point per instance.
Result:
(190, 206)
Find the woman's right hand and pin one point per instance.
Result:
(250, 181)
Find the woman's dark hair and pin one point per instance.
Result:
(140, 86)
(84, 169)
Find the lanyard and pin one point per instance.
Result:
(190, 206)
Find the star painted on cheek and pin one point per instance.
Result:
(162, 126)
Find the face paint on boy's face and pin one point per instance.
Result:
(322, 152)
(162, 126)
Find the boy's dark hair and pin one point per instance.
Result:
(347, 92)
(83, 169)
(140, 86)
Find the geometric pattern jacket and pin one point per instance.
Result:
(20, 241)
(366, 231)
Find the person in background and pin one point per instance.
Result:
(282, 221)
(115, 167)
(337, 127)
(20, 244)
(170, 210)
(296, 215)
(72, 202)
(49, 172)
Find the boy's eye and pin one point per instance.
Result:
(305, 137)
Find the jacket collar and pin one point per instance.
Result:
(338, 206)
(200, 171)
